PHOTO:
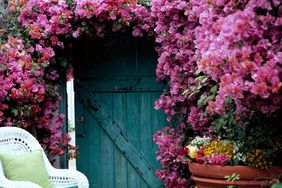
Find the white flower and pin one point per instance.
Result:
(200, 141)
(192, 150)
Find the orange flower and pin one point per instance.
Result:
(22, 2)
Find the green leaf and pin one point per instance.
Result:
(199, 78)
(203, 100)
(228, 100)
(214, 89)
(205, 79)
(276, 186)
(15, 112)
(197, 72)
(35, 9)
(208, 98)
(234, 177)
(240, 43)
(69, 2)
(199, 87)
(28, 112)
(200, 102)
(203, 115)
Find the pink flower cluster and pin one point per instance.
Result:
(24, 100)
(48, 23)
(20, 86)
(171, 157)
(48, 20)
(120, 13)
(241, 49)
(28, 80)
(236, 44)
(197, 120)
(174, 32)
(218, 159)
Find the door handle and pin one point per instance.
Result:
(80, 119)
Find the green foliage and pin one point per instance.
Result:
(145, 2)
(257, 138)
(232, 178)
(276, 186)
(226, 125)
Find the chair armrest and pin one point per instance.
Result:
(5, 183)
(61, 177)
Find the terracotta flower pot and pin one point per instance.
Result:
(212, 176)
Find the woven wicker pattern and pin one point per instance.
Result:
(18, 141)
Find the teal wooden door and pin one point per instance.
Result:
(115, 91)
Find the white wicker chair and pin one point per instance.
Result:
(17, 141)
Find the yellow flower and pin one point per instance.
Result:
(192, 151)
(219, 147)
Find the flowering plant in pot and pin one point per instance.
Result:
(255, 143)
(250, 148)
(229, 94)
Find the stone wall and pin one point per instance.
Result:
(3, 12)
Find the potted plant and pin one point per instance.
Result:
(227, 90)
(215, 162)
(249, 147)
(250, 151)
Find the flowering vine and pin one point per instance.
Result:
(210, 52)
(29, 69)
(172, 157)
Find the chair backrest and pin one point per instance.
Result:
(17, 141)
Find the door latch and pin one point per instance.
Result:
(79, 129)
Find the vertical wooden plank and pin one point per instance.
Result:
(119, 113)
(147, 58)
(93, 138)
(145, 123)
(107, 172)
(145, 62)
(127, 48)
(143, 184)
(121, 47)
(132, 127)
(107, 155)
(120, 169)
(83, 149)
(133, 179)
(145, 127)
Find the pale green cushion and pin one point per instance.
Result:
(26, 167)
